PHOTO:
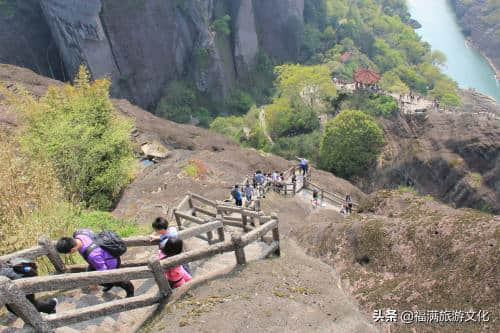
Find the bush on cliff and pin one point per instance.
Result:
(351, 143)
(74, 129)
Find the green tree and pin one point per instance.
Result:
(391, 82)
(351, 143)
(311, 84)
(76, 130)
(285, 118)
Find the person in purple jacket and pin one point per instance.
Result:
(97, 258)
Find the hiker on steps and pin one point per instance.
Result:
(260, 179)
(237, 196)
(163, 232)
(348, 202)
(248, 194)
(304, 165)
(315, 202)
(20, 268)
(177, 275)
(102, 252)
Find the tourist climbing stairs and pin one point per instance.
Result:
(218, 237)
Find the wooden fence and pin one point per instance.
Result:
(334, 198)
(74, 277)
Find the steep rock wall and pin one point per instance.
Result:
(144, 45)
(453, 157)
(280, 24)
(80, 36)
(25, 39)
(246, 41)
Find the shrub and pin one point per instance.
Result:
(222, 25)
(180, 103)
(195, 169)
(74, 129)
(240, 102)
(306, 145)
(351, 143)
(257, 138)
(230, 126)
(286, 119)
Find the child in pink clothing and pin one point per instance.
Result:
(177, 275)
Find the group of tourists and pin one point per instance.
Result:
(256, 189)
(102, 251)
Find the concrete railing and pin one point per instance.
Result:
(12, 292)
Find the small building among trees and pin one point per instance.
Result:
(365, 77)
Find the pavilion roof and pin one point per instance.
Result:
(366, 76)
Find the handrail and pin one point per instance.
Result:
(13, 292)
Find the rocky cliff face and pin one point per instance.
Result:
(452, 156)
(25, 39)
(482, 21)
(142, 45)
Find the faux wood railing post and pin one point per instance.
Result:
(191, 205)
(239, 250)
(18, 302)
(244, 219)
(210, 237)
(177, 219)
(159, 275)
(276, 233)
(257, 205)
(220, 231)
(52, 254)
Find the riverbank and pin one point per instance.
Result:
(480, 30)
(470, 63)
(471, 43)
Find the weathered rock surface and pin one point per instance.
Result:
(408, 252)
(279, 22)
(143, 45)
(453, 156)
(246, 41)
(476, 20)
(25, 39)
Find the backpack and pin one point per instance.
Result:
(106, 240)
(19, 268)
(234, 193)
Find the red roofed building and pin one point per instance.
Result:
(366, 77)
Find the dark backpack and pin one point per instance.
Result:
(106, 240)
(19, 268)
(233, 193)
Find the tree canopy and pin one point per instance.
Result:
(350, 144)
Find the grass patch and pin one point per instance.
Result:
(195, 169)
(474, 179)
(406, 189)
(98, 221)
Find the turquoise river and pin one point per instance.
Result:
(441, 30)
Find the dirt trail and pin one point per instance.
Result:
(293, 293)
(263, 124)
